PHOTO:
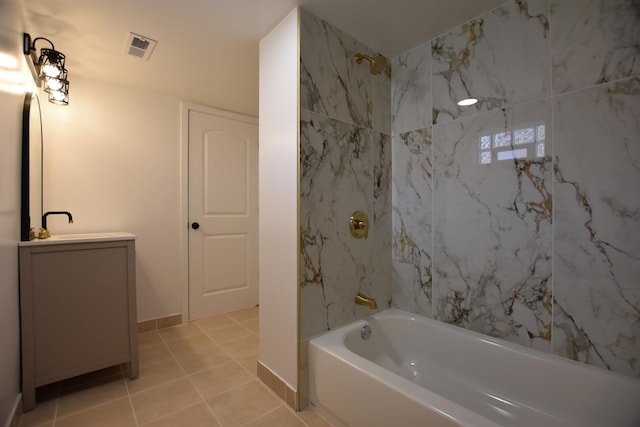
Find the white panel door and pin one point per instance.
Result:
(223, 214)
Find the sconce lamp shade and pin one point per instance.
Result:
(60, 96)
(55, 83)
(51, 63)
(48, 69)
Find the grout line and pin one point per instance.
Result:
(263, 415)
(172, 357)
(55, 412)
(135, 417)
(175, 412)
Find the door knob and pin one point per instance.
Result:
(195, 225)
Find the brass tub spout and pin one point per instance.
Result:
(366, 301)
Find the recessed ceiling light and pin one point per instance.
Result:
(466, 102)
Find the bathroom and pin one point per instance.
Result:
(426, 278)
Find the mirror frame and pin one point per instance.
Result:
(25, 214)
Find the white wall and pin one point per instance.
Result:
(10, 136)
(10, 120)
(112, 158)
(279, 154)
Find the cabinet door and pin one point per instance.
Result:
(80, 310)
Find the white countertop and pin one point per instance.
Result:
(59, 239)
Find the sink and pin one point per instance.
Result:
(82, 236)
(79, 238)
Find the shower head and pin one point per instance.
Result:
(378, 64)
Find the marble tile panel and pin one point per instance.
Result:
(412, 217)
(411, 90)
(381, 95)
(381, 218)
(593, 42)
(501, 58)
(336, 180)
(597, 226)
(331, 82)
(492, 226)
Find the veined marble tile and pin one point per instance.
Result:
(593, 42)
(501, 58)
(411, 90)
(332, 83)
(597, 226)
(492, 224)
(336, 180)
(381, 224)
(381, 89)
(412, 238)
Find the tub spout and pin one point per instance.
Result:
(364, 300)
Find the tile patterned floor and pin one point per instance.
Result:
(202, 374)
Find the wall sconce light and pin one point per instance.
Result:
(47, 69)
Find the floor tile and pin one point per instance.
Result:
(312, 419)
(220, 379)
(179, 332)
(229, 333)
(164, 400)
(76, 399)
(211, 359)
(281, 417)
(196, 416)
(213, 323)
(243, 404)
(154, 354)
(44, 412)
(246, 314)
(200, 361)
(146, 339)
(252, 324)
(154, 375)
(241, 347)
(250, 363)
(113, 414)
(189, 345)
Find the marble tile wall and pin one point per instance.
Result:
(345, 165)
(519, 217)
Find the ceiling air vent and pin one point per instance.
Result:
(140, 46)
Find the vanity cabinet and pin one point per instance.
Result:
(78, 307)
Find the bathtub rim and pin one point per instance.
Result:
(333, 343)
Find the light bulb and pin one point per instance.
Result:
(51, 70)
(58, 95)
(54, 84)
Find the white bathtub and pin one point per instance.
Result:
(414, 371)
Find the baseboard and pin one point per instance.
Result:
(159, 323)
(279, 387)
(14, 419)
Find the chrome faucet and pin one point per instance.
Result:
(366, 301)
(44, 233)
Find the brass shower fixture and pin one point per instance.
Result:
(377, 65)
